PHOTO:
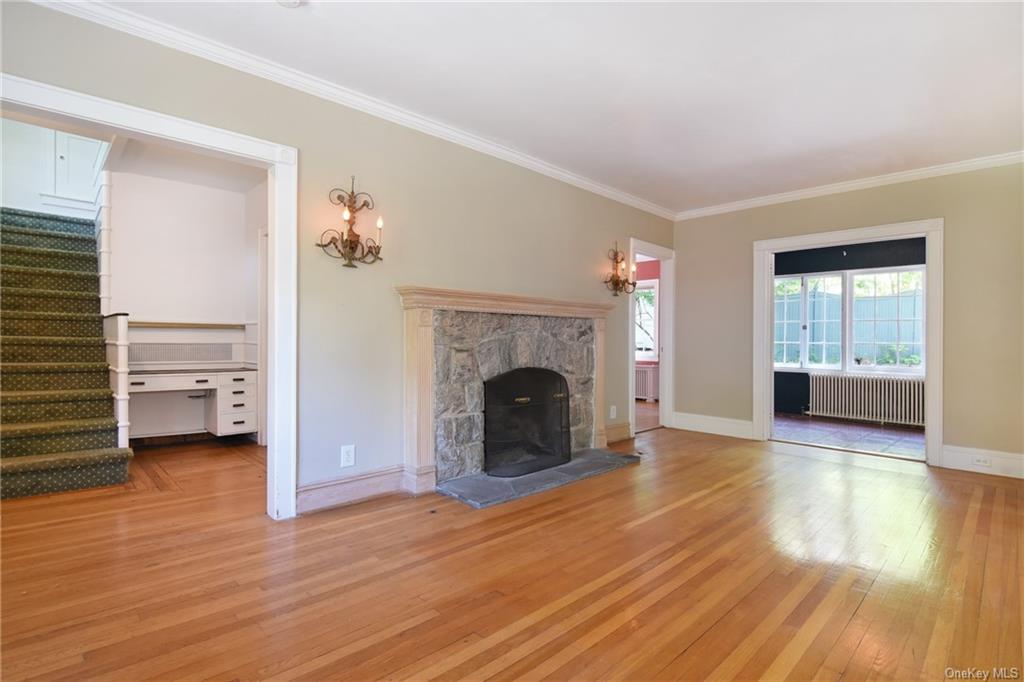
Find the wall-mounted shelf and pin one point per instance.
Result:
(138, 324)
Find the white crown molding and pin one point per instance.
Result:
(158, 32)
(1007, 159)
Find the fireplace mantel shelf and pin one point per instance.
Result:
(450, 299)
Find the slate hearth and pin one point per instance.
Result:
(481, 490)
(472, 347)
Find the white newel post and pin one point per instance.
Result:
(115, 332)
(103, 245)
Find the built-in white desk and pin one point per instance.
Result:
(174, 402)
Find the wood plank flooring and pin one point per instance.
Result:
(647, 416)
(712, 559)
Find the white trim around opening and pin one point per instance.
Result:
(33, 97)
(666, 336)
(764, 265)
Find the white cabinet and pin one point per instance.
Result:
(162, 404)
(75, 166)
(232, 412)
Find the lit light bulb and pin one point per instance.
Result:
(380, 223)
(345, 215)
(380, 228)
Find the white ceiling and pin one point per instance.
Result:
(682, 105)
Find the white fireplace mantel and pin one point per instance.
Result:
(419, 303)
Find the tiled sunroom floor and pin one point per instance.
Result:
(897, 441)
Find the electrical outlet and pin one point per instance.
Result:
(613, 412)
(348, 456)
(983, 461)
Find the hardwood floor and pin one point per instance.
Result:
(647, 416)
(712, 559)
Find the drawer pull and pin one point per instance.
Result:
(197, 397)
(238, 379)
(238, 405)
(237, 392)
(137, 383)
(240, 421)
(202, 381)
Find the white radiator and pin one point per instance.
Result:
(885, 399)
(647, 382)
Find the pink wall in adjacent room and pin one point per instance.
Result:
(649, 269)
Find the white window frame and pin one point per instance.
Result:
(803, 365)
(653, 355)
(854, 368)
(847, 365)
(798, 366)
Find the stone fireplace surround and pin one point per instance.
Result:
(471, 348)
(454, 340)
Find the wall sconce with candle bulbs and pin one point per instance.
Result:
(617, 280)
(346, 243)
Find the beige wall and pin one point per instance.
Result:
(455, 218)
(983, 315)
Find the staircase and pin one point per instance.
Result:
(57, 425)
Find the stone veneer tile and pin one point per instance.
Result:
(473, 347)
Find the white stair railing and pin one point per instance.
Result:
(115, 332)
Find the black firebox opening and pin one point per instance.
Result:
(526, 422)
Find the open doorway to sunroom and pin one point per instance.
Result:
(849, 347)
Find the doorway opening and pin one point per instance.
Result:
(650, 335)
(846, 347)
(243, 367)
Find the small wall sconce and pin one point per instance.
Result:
(346, 243)
(617, 280)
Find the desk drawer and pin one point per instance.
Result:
(235, 404)
(235, 393)
(237, 378)
(168, 382)
(241, 422)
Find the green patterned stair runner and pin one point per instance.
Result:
(28, 236)
(49, 301)
(43, 348)
(33, 323)
(34, 257)
(46, 406)
(57, 426)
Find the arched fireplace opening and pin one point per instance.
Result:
(526, 422)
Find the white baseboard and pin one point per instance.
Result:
(974, 459)
(418, 480)
(383, 481)
(722, 426)
(617, 432)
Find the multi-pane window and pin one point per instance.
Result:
(852, 320)
(646, 332)
(825, 321)
(888, 319)
(788, 320)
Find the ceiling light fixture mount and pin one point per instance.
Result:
(617, 281)
(346, 244)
